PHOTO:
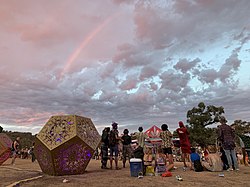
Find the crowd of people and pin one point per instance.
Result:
(160, 157)
(211, 158)
(23, 153)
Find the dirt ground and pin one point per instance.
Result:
(95, 176)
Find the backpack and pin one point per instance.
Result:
(105, 137)
(112, 138)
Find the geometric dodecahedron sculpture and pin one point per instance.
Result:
(5, 148)
(65, 145)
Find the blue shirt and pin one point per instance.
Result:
(194, 156)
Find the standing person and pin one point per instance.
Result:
(113, 142)
(15, 150)
(33, 157)
(223, 157)
(141, 136)
(227, 137)
(184, 143)
(126, 149)
(166, 145)
(104, 147)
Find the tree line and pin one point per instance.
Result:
(199, 120)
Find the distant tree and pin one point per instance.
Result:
(204, 115)
(199, 118)
(241, 127)
(1, 129)
(202, 136)
(27, 138)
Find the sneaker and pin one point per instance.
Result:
(237, 169)
(221, 175)
(230, 169)
(179, 178)
(65, 180)
(140, 175)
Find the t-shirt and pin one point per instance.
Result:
(140, 136)
(166, 137)
(126, 139)
(227, 136)
(113, 137)
(183, 135)
(194, 157)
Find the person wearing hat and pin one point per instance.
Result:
(227, 137)
(126, 148)
(113, 143)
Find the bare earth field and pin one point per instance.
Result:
(94, 176)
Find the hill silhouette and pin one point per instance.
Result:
(27, 138)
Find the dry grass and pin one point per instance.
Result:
(94, 176)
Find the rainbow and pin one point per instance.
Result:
(84, 43)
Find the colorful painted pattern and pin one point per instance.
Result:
(5, 147)
(44, 157)
(87, 132)
(73, 159)
(66, 144)
(57, 130)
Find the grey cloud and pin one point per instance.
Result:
(184, 65)
(174, 81)
(208, 75)
(147, 72)
(230, 67)
(129, 84)
(191, 25)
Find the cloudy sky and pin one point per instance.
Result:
(136, 62)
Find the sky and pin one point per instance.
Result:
(135, 62)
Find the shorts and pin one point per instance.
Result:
(114, 149)
(167, 150)
(126, 151)
(14, 153)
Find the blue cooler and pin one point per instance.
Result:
(135, 167)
